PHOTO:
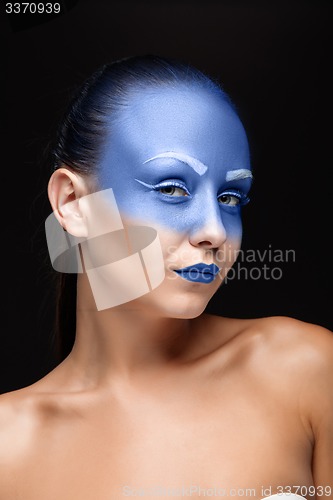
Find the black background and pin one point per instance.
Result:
(274, 59)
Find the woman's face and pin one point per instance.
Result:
(178, 161)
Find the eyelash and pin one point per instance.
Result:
(242, 197)
(171, 184)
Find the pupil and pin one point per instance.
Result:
(169, 190)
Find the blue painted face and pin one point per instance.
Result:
(179, 158)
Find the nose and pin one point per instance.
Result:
(209, 231)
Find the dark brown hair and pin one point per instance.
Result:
(83, 132)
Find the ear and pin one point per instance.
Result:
(64, 189)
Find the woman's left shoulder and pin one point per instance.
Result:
(300, 353)
(305, 353)
(290, 333)
(283, 340)
(284, 331)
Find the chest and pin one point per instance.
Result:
(199, 442)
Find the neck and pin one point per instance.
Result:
(126, 340)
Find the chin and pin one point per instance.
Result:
(189, 311)
(177, 305)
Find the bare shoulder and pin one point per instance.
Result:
(18, 429)
(279, 347)
(301, 348)
(307, 349)
(292, 357)
(23, 413)
(280, 335)
(25, 416)
(301, 354)
(18, 422)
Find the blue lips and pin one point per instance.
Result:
(199, 273)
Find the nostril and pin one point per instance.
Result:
(205, 243)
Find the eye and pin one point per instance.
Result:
(228, 199)
(173, 191)
(171, 188)
(233, 198)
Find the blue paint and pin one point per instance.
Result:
(199, 273)
(168, 191)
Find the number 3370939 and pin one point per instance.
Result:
(32, 8)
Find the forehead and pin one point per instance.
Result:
(195, 122)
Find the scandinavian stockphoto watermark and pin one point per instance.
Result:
(195, 490)
(265, 264)
(237, 264)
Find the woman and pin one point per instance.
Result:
(157, 398)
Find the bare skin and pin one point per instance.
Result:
(155, 393)
(216, 402)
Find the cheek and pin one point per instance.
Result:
(171, 219)
(136, 206)
(233, 226)
(170, 240)
(227, 256)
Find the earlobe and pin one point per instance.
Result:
(65, 188)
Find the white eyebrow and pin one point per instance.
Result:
(236, 175)
(199, 167)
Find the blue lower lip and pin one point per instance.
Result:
(196, 276)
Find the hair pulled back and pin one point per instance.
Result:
(83, 132)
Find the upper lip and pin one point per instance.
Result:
(201, 267)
